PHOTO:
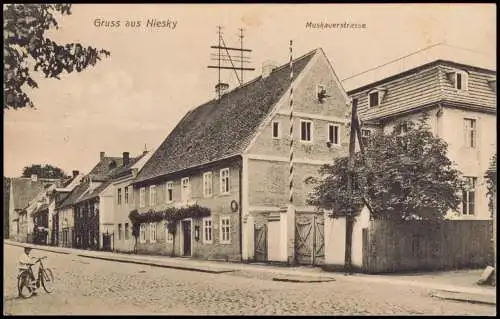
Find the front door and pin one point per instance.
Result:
(186, 237)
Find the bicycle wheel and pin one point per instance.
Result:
(47, 278)
(23, 285)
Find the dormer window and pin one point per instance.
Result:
(492, 83)
(376, 97)
(459, 79)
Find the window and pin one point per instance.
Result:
(142, 197)
(170, 192)
(142, 232)
(127, 230)
(374, 100)
(305, 131)
(207, 184)
(469, 196)
(470, 133)
(119, 196)
(333, 134)
(185, 189)
(125, 195)
(276, 130)
(152, 232)
(461, 80)
(169, 237)
(207, 230)
(225, 230)
(365, 136)
(224, 181)
(119, 231)
(152, 195)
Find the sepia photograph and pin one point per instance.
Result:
(249, 159)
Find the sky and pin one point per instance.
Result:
(133, 99)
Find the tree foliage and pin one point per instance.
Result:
(24, 37)
(46, 171)
(402, 176)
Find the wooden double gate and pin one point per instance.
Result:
(309, 239)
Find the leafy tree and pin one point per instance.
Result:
(24, 29)
(403, 175)
(47, 171)
(491, 182)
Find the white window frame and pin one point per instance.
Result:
(142, 233)
(153, 200)
(467, 193)
(142, 197)
(311, 130)
(277, 137)
(152, 230)
(125, 195)
(204, 230)
(208, 185)
(464, 81)
(468, 129)
(224, 174)
(169, 186)
(169, 238)
(185, 192)
(221, 232)
(330, 125)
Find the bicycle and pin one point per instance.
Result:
(45, 278)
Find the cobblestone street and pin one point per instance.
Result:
(90, 286)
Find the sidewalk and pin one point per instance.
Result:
(453, 285)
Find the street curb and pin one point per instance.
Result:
(157, 265)
(462, 297)
(302, 280)
(49, 250)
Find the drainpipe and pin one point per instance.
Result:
(241, 208)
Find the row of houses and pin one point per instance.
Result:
(217, 187)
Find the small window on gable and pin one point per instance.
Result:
(305, 131)
(333, 134)
(321, 93)
(276, 130)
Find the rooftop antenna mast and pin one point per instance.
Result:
(223, 55)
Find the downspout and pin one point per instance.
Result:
(241, 208)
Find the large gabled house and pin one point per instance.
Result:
(231, 156)
(457, 92)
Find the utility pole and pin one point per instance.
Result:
(350, 188)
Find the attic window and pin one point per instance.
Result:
(376, 97)
(459, 79)
(492, 83)
(112, 164)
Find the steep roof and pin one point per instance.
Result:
(78, 191)
(94, 192)
(221, 128)
(24, 190)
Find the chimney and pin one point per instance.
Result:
(34, 177)
(126, 158)
(220, 89)
(101, 155)
(75, 173)
(267, 67)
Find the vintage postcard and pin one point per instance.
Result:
(249, 159)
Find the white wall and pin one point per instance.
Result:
(335, 239)
(274, 240)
